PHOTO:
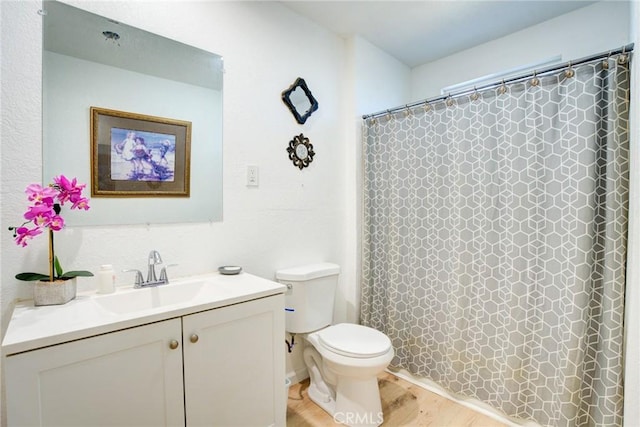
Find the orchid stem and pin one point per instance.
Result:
(51, 256)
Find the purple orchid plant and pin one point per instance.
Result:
(44, 213)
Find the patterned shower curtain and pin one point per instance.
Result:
(494, 242)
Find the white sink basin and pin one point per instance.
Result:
(150, 298)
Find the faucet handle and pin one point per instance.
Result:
(163, 273)
(139, 280)
(154, 257)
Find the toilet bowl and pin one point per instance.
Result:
(343, 360)
(343, 363)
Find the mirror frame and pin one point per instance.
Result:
(301, 117)
(292, 149)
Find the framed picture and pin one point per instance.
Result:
(134, 155)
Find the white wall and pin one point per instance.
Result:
(583, 32)
(381, 81)
(294, 216)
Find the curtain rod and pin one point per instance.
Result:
(624, 49)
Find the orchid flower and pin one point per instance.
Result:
(39, 194)
(44, 212)
(40, 214)
(68, 190)
(56, 223)
(80, 203)
(23, 234)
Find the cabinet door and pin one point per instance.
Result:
(126, 378)
(234, 365)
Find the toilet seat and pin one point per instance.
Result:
(352, 340)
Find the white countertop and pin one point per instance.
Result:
(92, 314)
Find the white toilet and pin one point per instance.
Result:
(343, 360)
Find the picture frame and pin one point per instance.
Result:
(137, 155)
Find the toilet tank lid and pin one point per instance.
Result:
(308, 272)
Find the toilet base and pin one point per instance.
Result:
(345, 387)
(321, 399)
(357, 402)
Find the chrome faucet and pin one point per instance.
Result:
(153, 260)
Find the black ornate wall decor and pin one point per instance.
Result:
(300, 151)
(300, 101)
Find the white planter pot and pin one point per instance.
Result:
(54, 293)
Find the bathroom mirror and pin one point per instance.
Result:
(89, 60)
(300, 101)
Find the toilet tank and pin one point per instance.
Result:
(310, 295)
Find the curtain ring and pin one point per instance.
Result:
(407, 111)
(622, 59)
(605, 62)
(475, 95)
(535, 81)
(449, 101)
(389, 115)
(503, 88)
(568, 73)
(427, 107)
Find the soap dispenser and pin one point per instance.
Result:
(106, 279)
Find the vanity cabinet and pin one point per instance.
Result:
(124, 378)
(234, 365)
(218, 367)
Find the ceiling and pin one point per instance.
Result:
(417, 32)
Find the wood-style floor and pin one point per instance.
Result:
(403, 404)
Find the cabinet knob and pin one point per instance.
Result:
(194, 338)
(173, 344)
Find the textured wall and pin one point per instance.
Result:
(21, 131)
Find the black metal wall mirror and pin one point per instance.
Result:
(300, 101)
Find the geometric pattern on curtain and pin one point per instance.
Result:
(494, 242)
